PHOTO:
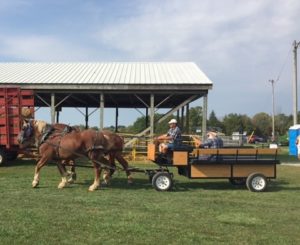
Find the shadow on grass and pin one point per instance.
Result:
(178, 186)
(282, 185)
(120, 183)
(181, 186)
(20, 162)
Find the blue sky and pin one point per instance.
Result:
(240, 45)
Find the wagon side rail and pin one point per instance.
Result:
(202, 155)
(235, 155)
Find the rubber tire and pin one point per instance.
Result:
(3, 158)
(150, 178)
(162, 181)
(12, 155)
(256, 182)
(237, 181)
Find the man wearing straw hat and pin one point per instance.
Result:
(173, 136)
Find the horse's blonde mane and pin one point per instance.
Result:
(40, 125)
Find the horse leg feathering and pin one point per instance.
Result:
(63, 183)
(62, 170)
(35, 181)
(96, 183)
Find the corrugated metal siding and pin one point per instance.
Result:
(103, 73)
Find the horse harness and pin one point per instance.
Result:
(50, 132)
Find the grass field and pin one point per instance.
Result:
(195, 212)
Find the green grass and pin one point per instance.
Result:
(195, 212)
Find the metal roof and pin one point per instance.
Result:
(111, 73)
(124, 84)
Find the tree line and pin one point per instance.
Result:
(260, 124)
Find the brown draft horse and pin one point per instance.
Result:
(69, 146)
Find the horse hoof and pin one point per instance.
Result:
(93, 188)
(35, 184)
(62, 185)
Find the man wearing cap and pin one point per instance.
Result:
(213, 141)
(173, 136)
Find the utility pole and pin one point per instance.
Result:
(273, 110)
(295, 99)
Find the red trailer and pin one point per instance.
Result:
(13, 103)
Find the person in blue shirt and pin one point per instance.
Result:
(173, 137)
(212, 141)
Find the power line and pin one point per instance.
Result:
(284, 64)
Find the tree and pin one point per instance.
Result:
(213, 122)
(262, 123)
(282, 124)
(138, 126)
(237, 123)
(195, 118)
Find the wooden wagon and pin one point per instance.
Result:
(252, 167)
(15, 104)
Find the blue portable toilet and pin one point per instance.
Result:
(294, 131)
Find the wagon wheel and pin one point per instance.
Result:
(256, 182)
(237, 181)
(162, 181)
(12, 155)
(2, 157)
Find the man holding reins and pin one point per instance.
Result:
(173, 136)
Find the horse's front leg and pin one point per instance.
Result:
(96, 184)
(39, 165)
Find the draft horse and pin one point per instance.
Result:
(67, 145)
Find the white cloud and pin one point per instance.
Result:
(41, 48)
(239, 44)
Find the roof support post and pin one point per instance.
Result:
(101, 111)
(147, 118)
(86, 117)
(57, 116)
(182, 119)
(187, 119)
(178, 116)
(52, 108)
(117, 120)
(152, 116)
(204, 116)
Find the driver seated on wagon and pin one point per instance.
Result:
(173, 137)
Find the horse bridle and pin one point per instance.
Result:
(26, 132)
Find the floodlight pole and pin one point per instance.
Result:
(273, 110)
(295, 99)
